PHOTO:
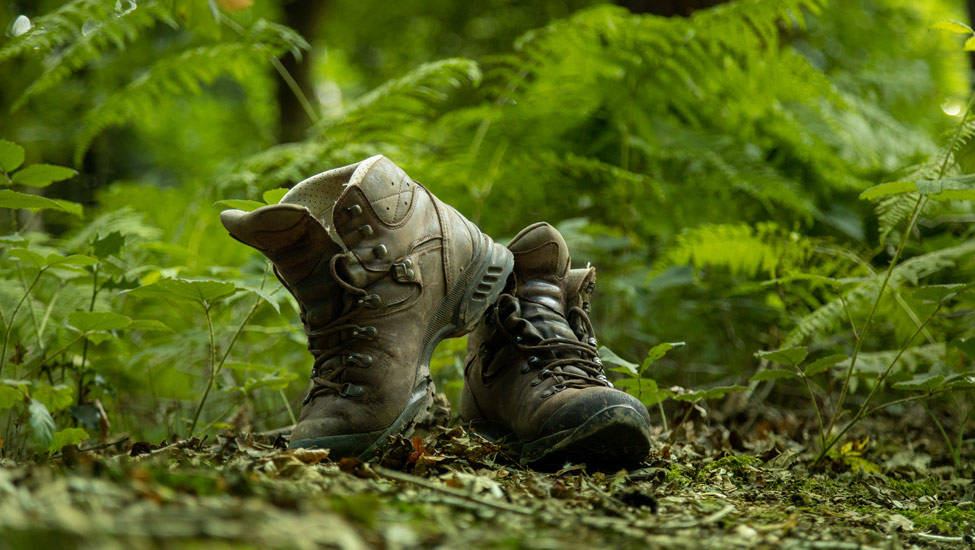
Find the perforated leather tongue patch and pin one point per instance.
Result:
(387, 188)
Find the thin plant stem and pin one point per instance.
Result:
(873, 310)
(862, 412)
(673, 434)
(213, 370)
(954, 452)
(287, 406)
(819, 416)
(33, 318)
(13, 316)
(84, 349)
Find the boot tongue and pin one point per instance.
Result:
(300, 249)
(541, 265)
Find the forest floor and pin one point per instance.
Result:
(712, 487)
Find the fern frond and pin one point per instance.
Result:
(186, 73)
(102, 29)
(742, 249)
(402, 102)
(832, 315)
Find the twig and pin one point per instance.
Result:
(421, 482)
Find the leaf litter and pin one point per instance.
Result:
(448, 488)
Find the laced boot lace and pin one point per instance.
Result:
(331, 361)
(572, 363)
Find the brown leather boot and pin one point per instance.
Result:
(533, 377)
(382, 271)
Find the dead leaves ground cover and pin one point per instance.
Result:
(711, 488)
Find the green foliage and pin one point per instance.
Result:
(709, 166)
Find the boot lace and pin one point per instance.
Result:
(551, 356)
(332, 361)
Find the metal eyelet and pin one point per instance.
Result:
(591, 341)
(371, 300)
(546, 393)
(591, 287)
(355, 209)
(532, 359)
(359, 359)
(350, 390)
(536, 382)
(526, 368)
(380, 251)
(366, 230)
(367, 333)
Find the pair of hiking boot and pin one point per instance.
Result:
(383, 271)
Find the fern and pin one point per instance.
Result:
(742, 249)
(102, 28)
(828, 318)
(186, 73)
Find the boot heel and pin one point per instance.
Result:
(486, 285)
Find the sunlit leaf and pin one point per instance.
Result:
(887, 189)
(16, 200)
(953, 26)
(645, 389)
(55, 398)
(240, 204)
(609, 357)
(712, 393)
(11, 156)
(9, 396)
(67, 436)
(42, 175)
(658, 351)
(274, 196)
(110, 245)
(204, 292)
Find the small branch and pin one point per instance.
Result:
(212, 353)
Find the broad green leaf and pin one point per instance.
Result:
(951, 25)
(74, 259)
(29, 256)
(712, 393)
(886, 189)
(274, 381)
(67, 436)
(658, 351)
(921, 382)
(823, 364)
(970, 44)
(609, 357)
(11, 156)
(645, 389)
(13, 239)
(55, 398)
(955, 188)
(149, 325)
(940, 293)
(41, 424)
(42, 175)
(773, 374)
(240, 204)
(787, 356)
(274, 196)
(14, 200)
(203, 292)
(94, 321)
(110, 245)
(264, 295)
(9, 396)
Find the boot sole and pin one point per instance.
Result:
(479, 286)
(614, 437)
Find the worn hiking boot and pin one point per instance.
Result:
(382, 272)
(533, 377)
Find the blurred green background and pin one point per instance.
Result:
(691, 152)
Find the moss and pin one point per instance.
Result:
(915, 489)
(734, 463)
(944, 519)
(678, 475)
